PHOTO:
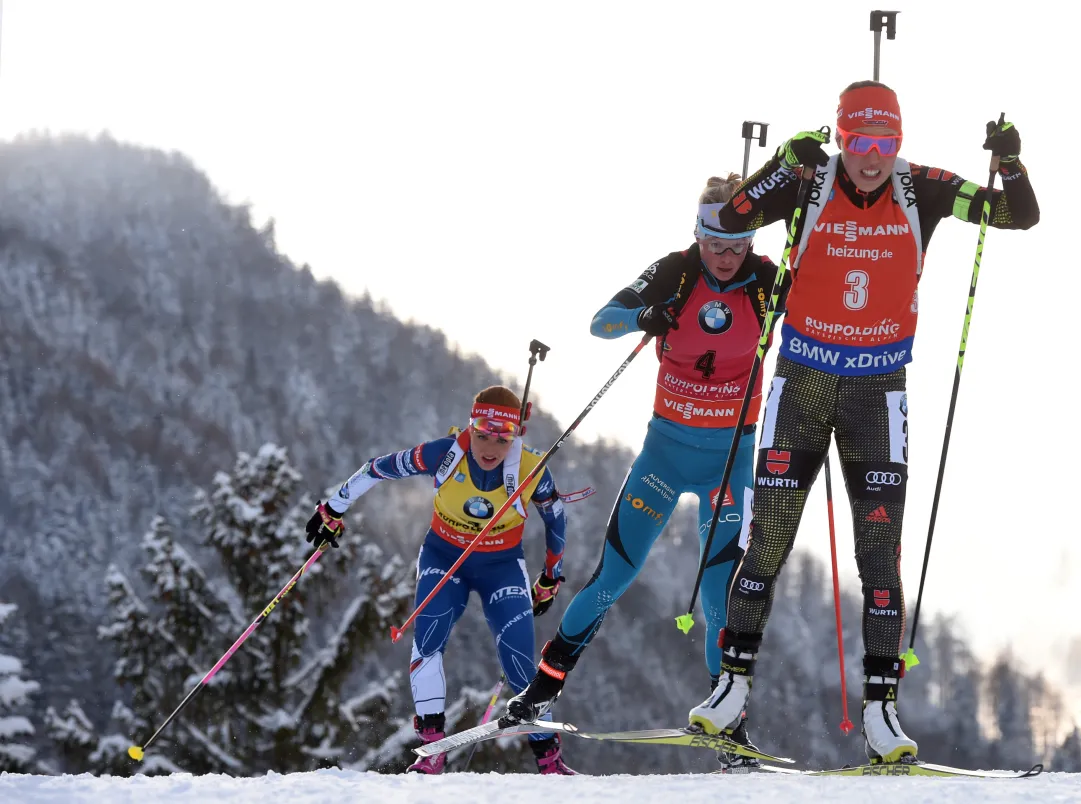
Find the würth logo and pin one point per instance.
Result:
(778, 461)
(882, 598)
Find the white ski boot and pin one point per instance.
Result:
(884, 739)
(723, 709)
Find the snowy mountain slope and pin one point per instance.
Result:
(330, 787)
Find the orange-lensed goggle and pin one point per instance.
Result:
(495, 427)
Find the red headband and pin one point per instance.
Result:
(869, 106)
(496, 412)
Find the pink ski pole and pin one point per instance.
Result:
(136, 751)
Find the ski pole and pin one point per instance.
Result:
(136, 751)
(487, 716)
(535, 348)
(748, 135)
(685, 622)
(396, 633)
(846, 724)
(880, 20)
(910, 655)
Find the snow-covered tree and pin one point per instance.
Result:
(16, 731)
(1067, 758)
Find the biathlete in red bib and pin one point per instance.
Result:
(847, 335)
(705, 305)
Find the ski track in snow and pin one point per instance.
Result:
(332, 786)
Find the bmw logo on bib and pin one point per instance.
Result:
(715, 317)
(478, 508)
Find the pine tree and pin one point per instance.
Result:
(1067, 758)
(1010, 701)
(286, 700)
(16, 756)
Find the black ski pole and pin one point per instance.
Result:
(396, 632)
(537, 350)
(748, 136)
(880, 20)
(685, 622)
(910, 655)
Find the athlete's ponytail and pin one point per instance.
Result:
(720, 191)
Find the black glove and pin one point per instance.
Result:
(1003, 141)
(803, 149)
(325, 526)
(658, 319)
(545, 590)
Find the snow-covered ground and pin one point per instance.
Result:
(330, 787)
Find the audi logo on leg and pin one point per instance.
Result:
(884, 478)
(751, 586)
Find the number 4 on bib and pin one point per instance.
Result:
(705, 364)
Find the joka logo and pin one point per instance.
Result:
(727, 497)
(715, 317)
(882, 598)
(778, 461)
(907, 188)
(879, 515)
(478, 508)
(817, 184)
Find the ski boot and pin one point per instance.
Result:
(722, 711)
(731, 762)
(537, 698)
(549, 755)
(429, 729)
(883, 738)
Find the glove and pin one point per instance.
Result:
(803, 149)
(324, 526)
(545, 590)
(1003, 141)
(658, 319)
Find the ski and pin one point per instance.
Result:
(897, 769)
(488, 731)
(693, 738)
(924, 769)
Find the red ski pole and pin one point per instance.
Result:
(396, 633)
(846, 724)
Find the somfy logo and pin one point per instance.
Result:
(884, 478)
(751, 586)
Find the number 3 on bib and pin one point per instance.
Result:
(856, 296)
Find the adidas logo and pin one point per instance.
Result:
(878, 515)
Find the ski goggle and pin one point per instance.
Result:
(494, 427)
(862, 144)
(719, 245)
